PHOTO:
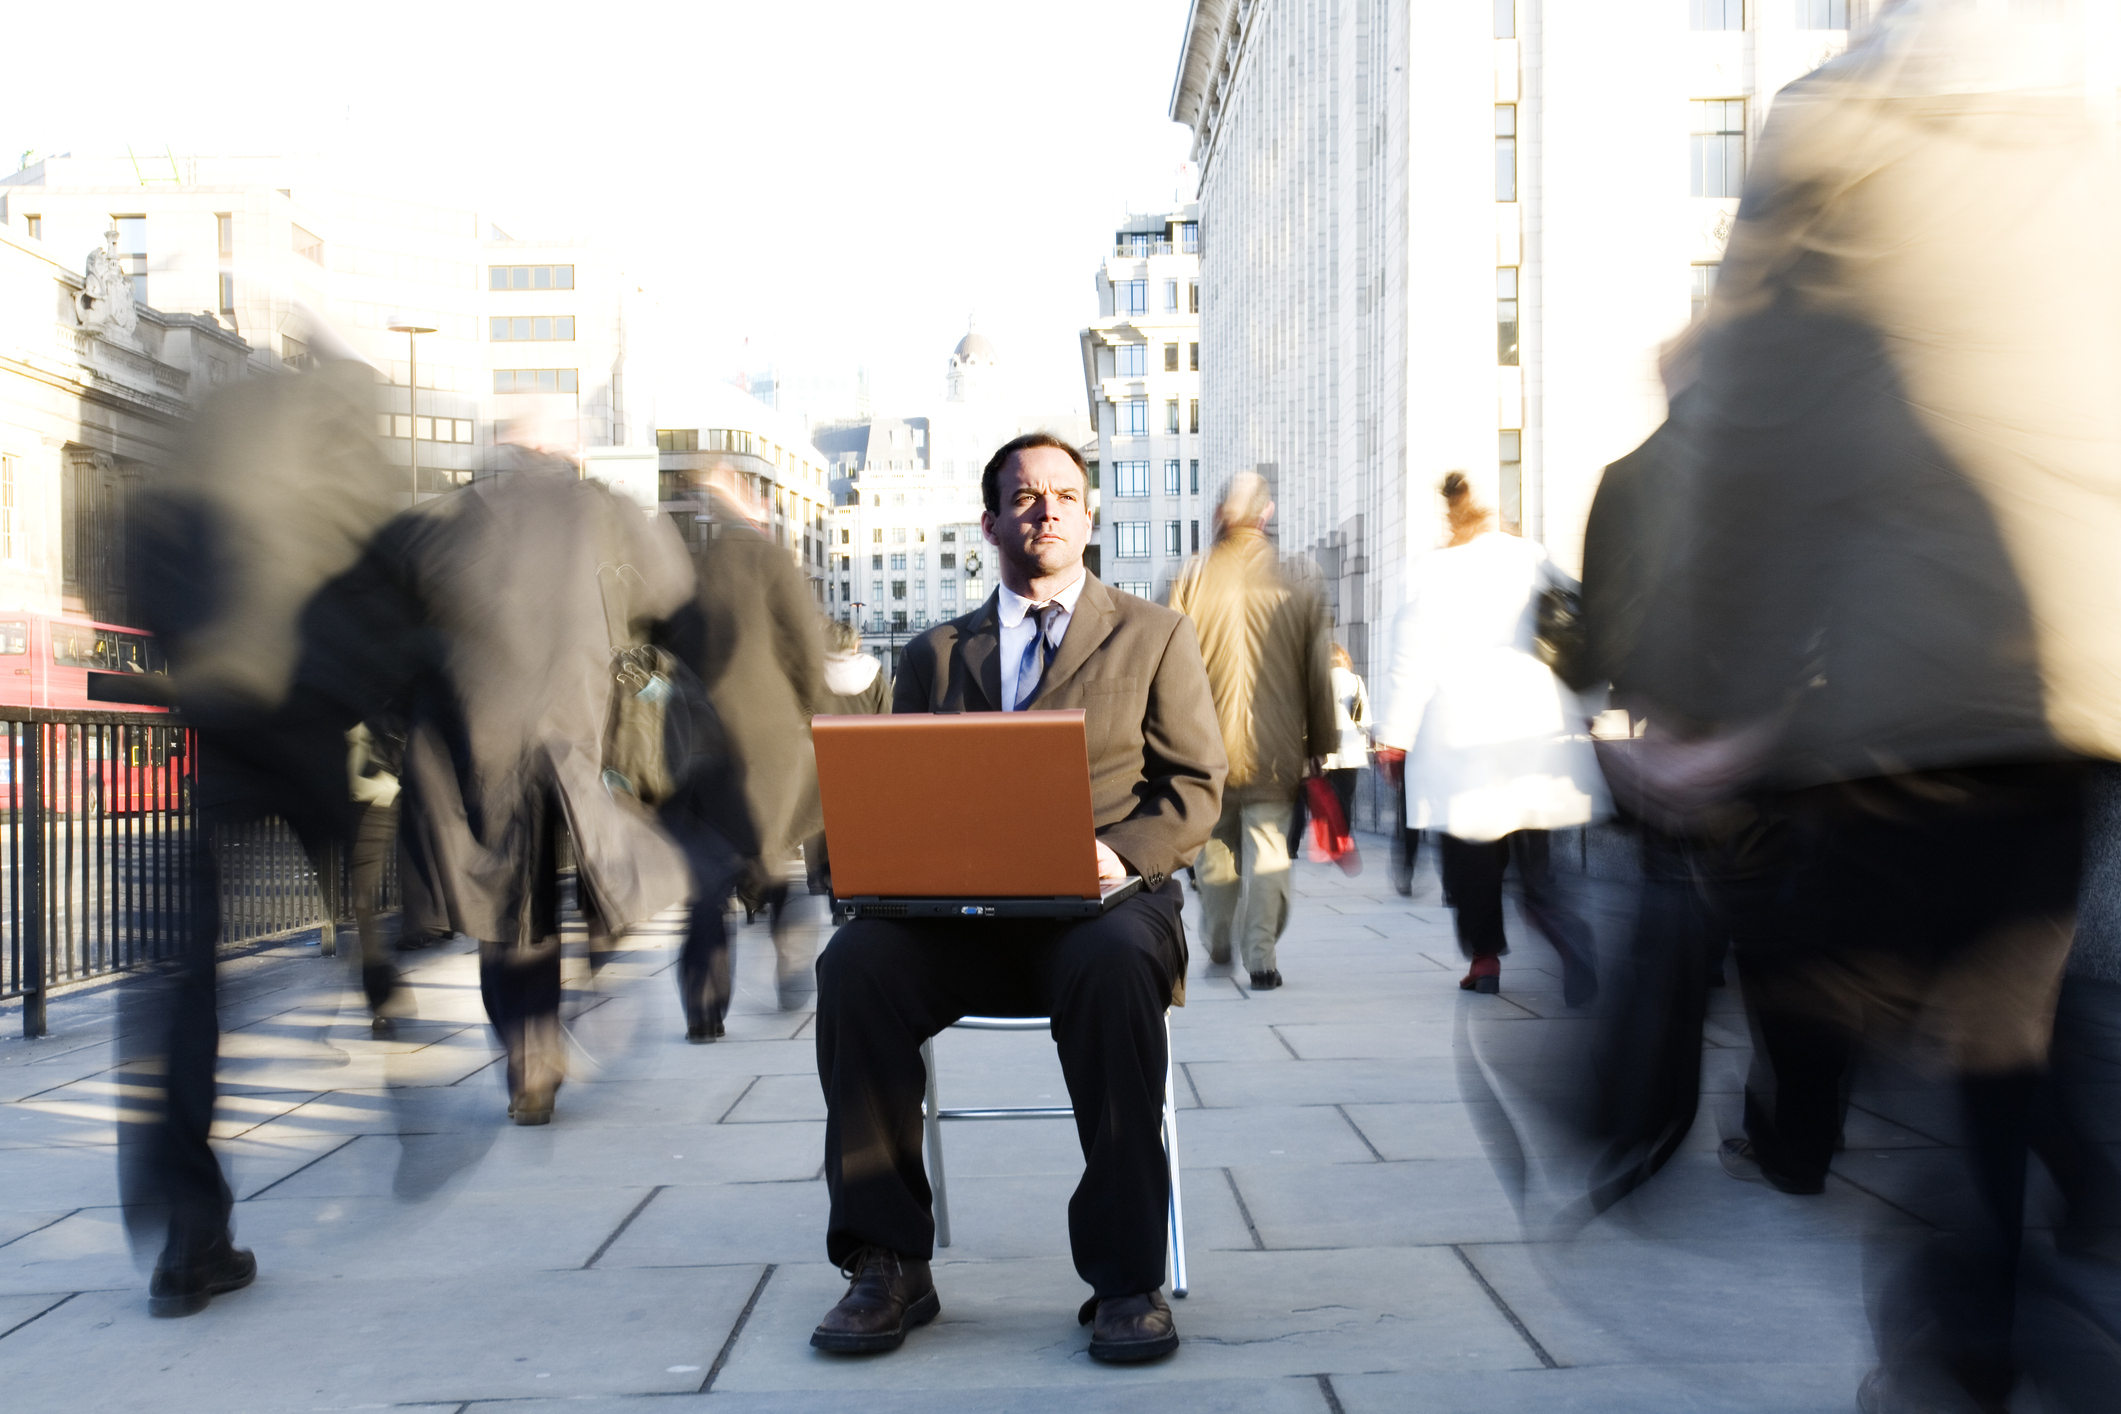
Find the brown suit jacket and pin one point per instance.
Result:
(1156, 754)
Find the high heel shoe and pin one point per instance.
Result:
(1485, 976)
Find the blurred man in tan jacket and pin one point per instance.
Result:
(1265, 637)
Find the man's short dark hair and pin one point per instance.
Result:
(990, 481)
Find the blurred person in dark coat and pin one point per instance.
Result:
(1899, 462)
(525, 583)
(751, 633)
(280, 488)
(1265, 636)
(854, 686)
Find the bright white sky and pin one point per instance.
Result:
(840, 181)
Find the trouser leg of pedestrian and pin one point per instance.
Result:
(703, 966)
(374, 839)
(174, 1192)
(1217, 871)
(1472, 876)
(1550, 910)
(884, 987)
(1343, 783)
(519, 976)
(1264, 861)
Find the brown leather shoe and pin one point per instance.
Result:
(888, 1295)
(1129, 1328)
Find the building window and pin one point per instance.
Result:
(1133, 417)
(228, 292)
(530, 277)
(1133, 360)
(681, 439)
(540, 327)
(1140, 244)
(1704, 286)
(1130, 478)
(1193, 358)
(947, 560)
(535, 380)
(1170, 358)
(1131, 297)
(1718, 147)
(1193, 414)
(34, 225)
(1506, 152)
(1506, 19)
(898, 562)
(1171, 296)
(876, 537)
(1510, 478)
(1822, 14)
(1139, 588)
(1171, 417)
(1174, 544)
(294, 353)
(1130, 539)
(898, 588)
(308, 244)
(1189, 238)
(898, 534)
(876, 592)
(225, 232)
(1193, 477)
(898, 620)
(920, 591)
(1193, 297)
(845, 536)
(9, 547)
(1171, 481)
(1506, 316)
(1195, 537)
(1716, 14)
(132, 252)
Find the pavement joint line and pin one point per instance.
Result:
(496, 1060)
(721, 1357)
(1284, 1043)
(1325, 1388)
(35, 1230)
(1898, 1124)
(624, 1223)
(292, 1172)
(41, 1314)
(739, 1099)
(1232, 980)
(1880, 1197)
(797, 1034)
(1258, 1244)
(1185, 1069)
(1507, 1314)
(1343, 1111)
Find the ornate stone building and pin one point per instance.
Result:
(95, 389)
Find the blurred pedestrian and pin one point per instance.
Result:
(1498, 753)
(1899, 462)
(854, 686)
(1264, 635)
(278, 489)
(375, 755)
(528, 583)
(1351, 712)
(751, 634)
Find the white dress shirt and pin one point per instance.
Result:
(1019, 623)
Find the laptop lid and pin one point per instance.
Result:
(982, 805)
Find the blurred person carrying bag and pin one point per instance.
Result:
(661, 727)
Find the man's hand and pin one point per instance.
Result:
(1391, 763)
(1109, 865)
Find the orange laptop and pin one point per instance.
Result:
(979, 815)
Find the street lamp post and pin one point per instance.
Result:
(412, 333)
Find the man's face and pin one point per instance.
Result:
(1044, 521)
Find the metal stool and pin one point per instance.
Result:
(934, 1115)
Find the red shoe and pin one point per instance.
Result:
(1485, 976)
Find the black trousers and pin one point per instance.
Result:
(519, 975)
(1472, 880)
(884, 987)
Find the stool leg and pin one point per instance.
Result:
(932, 1120)
(1179, 1284)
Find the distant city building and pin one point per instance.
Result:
(530, 338)
(703, 424)
(906, 548)
(95, 389)
(1456, 238)
(1141, 373)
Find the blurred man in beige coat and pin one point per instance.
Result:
(1265, 637)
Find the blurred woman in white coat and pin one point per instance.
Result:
(1498, 752)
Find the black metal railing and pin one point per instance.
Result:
(97, 841)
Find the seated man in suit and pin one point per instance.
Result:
(1051, 636)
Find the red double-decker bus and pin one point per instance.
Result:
(93, 769)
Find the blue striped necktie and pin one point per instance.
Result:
(1037, 654)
